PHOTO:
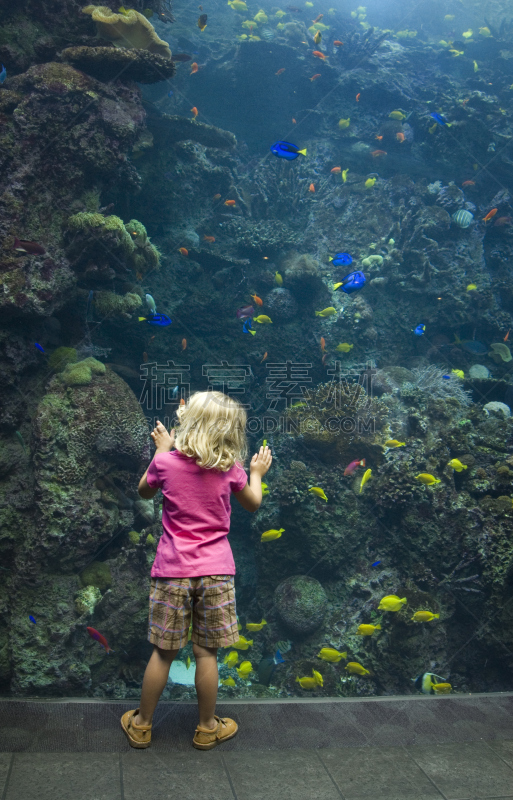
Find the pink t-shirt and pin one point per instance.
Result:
(195, 516)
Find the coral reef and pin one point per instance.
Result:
(112, 63)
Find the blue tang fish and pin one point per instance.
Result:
(353, 282)
(246, 328)
(157, 319)
(440, 119)
(286, 150)
(375, 563)
(419, 330)
(341, 260)
(41, 350)
(3, 74)
(31, 618)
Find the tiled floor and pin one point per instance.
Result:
(400, 749)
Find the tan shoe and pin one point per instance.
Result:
(206, 738)
(138, 735)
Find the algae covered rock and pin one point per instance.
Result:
(81, 373)
(96, 574)
(113, 63)
(109, 304)
(301, 603)
(61, 357)
(86, 600)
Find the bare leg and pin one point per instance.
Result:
(207, 678)
(154, 681)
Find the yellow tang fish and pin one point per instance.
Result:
(391, 602)
(330, 654)
(456, 464)
(471, 287)
(231, 659)
(278, 279)
(242, 643)
(318, 677)
(255, 626)
(237, 5)
(458, 372)
(468, 34)
(242, 37)
(427, 479)
(306, 683)
(441, 688)
(308, 4)
(326, 312)
(265, 490)
(356, 669)
(343, 124)
(263, 319)
(268, 536)
(366, 476)
(261, 16)
(344, 347)
(424, 616)
(249, 23)
(397, 115)
(264, 443)
(245, 668)
(280, 13)
(317, 38)
(319, 492)
(433, 128)
(369, 183)
(253, 38)
(344, 175)
(188, 662)
(367, 630)
(485, 31)
(476, 66)
(228, 682)
(449, 17)
(394, 443)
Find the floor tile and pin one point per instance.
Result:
(467, 769)
(61, 776)
(168, 776)
(5, 760)
(287, 775)
(384, 772)
(504, 749)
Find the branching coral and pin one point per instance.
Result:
(430, 381)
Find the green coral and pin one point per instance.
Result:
(61, 357)
(134, 537)
(107, 240)
(150, 540)
(96, 574)
(109, 304)
(86, 599)
(81, 373)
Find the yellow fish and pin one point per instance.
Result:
(123, 10)
(310, 683)
(458, 372)
(397, 115)
(344, 175)
(441, 688)
(248, 23)
(317, 38)
(263, 319)
(319, 492)
(330, 654)
(264, 443)
(280, 26)
(265, 490)
(253, 38)
(427, 479)
(424, 616)
(468, 34)
(237, 5)
(356, 669)
(391, 602)
(298, 405)
(308, 4)
(228, 682)
(268, 536)
(485, 31)
(476, 66)
(449, 17)
(367, 630)
(278, 279)
(188, 662)
(344, 123)
(242, 643)
(255, 626)
(242, 37)
(344, 347)
(261, 16)
(231, 659)
(456, 464)
(433, 128)
(369, 183)
(394, 443)
(456, 53)
(280, 13)
(366, 476)
(318, 677)
(244, 670)
(326, 312)
(471, 287)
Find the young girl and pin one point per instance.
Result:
(193, 569)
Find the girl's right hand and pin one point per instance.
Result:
(261, 461)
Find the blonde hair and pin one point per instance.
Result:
(212, 430)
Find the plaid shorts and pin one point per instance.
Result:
(211, 600)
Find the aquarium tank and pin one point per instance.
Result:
(310, 209)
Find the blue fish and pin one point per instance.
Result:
(341, 260)
(157, 319)
(286, 150)
(440, 119)
(278, 658)
(446, 377)
(246, 328)
(170, 93)
(353, 282)
(376, 563)
(419, 330)
(31, 618)
(3, 74)
(41, 350)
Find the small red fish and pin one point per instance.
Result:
(358, 97)
(468, 183)
(336, 170)
(311, 188)
(264, 357)
(353, 466)
(194, 112)
(506, 337)
(502, 221)
(323, 344)
(378, 153)
(30, 248)
(490, 214)
(183, 251)
(314, 77)
(229, 202)
(317, 19)
(216, 197)
(378, 137)
(182, 401)
(194, 68)
(318, 54)
(209, 239)
(94, 634)
(184, 344)
(338, 43)
(294, 121)
(258, 300)
(400, 136)
(280, 71)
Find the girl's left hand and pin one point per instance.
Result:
(163, 441)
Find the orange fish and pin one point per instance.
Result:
(182, 401)
(294, 121)
(338, 43)
(507, 336)
(378, 137)
(229, 202)
(194, 68)
(184, 344)
(378, 153)
(258, 300)
(183, 251)
(209, 239)
(194, 112)
(145, 357)
(216, 197)
(317, 19)
(318, 54)
(314, 77)
(280, 71)
(358, 97)
(323, 344)
(311, 188)
(400, 136)
(336, 170)
(468, 183)
(264, 357)
(490, 214)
